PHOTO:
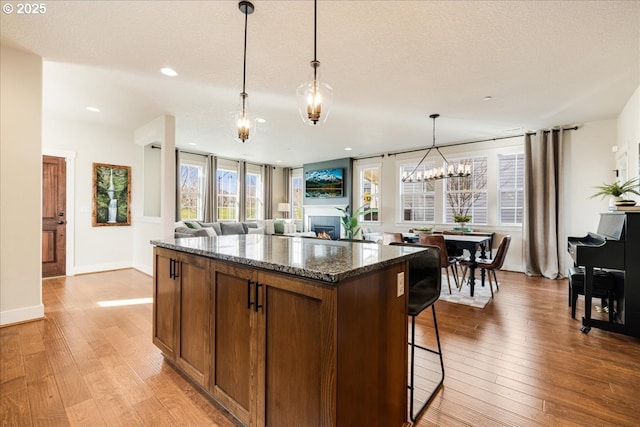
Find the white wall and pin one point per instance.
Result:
(96, 248)
(20, 186)
(589, 161)
(160, 132)
(629, 136)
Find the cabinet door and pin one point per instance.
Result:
(165, 295)
(233, 290)
(193, 349)
(297, 368)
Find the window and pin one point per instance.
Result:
(227, 190)
(511, 188)
(254, 203)
(467, 196)
(417, 199)
(297, 192)
(192, 178)
(369, 191)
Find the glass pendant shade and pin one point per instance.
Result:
(244, 124)
(314, 98)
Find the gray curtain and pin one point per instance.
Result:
(544, 235)
(267, 176)
(286, 185)
(210, 200)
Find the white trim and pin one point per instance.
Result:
(146, 269)
(70, 157)
(96, 268)
(22, 314)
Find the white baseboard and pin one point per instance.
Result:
(21, 315)
(146, 269)
(96, 268)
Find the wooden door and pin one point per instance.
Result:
(54, 200)
(233, 342)
(193, 349)
(297, 368)
(165, 297)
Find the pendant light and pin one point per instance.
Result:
(447, 170)
(243, 122)
(314, 98)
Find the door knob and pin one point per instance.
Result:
(60, 222)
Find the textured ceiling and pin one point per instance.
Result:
(391, 64)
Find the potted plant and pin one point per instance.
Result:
(350, 222)
(617, 190)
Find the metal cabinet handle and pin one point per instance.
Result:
(249, 302)
(257, 304)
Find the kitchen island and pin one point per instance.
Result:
(287, 331)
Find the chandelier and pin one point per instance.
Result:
(244, 123)
(447, 170)
(314, 98)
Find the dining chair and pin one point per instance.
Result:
(388, 238)
(490, 265)
(447, 262)
(424, 283)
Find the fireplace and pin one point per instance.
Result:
(329, 225)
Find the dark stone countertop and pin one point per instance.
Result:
(325, 260)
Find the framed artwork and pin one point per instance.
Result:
(111, 195)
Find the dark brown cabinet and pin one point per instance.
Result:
(182, 311)
(279, 350)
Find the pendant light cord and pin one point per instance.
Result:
(315, 28)
(244, 66)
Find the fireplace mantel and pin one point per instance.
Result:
(322, 210)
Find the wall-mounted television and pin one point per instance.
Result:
(324, 183)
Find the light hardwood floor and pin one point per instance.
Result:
(521, 361)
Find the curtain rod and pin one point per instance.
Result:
(497, 138)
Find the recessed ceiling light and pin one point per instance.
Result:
(93, 109)
(487, 98)
(192, 143)
(278, 161)
(260, 120)
(168, 72)
(348, 149)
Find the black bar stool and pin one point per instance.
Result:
(424, 283)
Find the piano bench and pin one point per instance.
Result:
(603, 288)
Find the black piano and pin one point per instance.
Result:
(615, 246)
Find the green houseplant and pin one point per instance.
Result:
(350, 221)
(617, 190)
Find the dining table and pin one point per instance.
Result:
(471, 243)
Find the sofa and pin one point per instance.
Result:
(210, 229)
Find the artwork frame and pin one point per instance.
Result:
(111, 195)
(324, 183)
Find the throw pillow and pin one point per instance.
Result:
(278, 227)
(232, 228)
(210, 231)
(289, 228)
(258, 230)
(201, 232)
(192, 224)
(268, 225)
(179, 224)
